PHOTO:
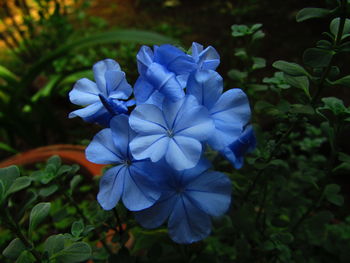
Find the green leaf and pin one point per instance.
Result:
(19, 184)
(75, 181)
(335, 105)
(331, 193)
(77, 228)
(26, 257)
(54, 160)
(311, 12)
(37, 215)
(14, 249)
(47, 89)
(8, 175)
(317, 57)
(76, 252)
(7, 148)
(302, 109)
(258, 63)
(7, 75)
(299, 82)
(344, 81)
(54, 244)
(47, 191)
(237, 75)
(2, 192)
(334, 26)
(289, 68)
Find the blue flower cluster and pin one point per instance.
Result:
(157, 147)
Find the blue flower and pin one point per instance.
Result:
(245, 143)
(165, 71)
(130, 180)
(102, 99)
(230, 110)
(175, 132)
(207, 58)
(188, 201)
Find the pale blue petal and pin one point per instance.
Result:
(209, 58)
(157, 214)
(147, 119)
(143, 90)
(172, 109)
(156, 99)
(100, 69)
(195, 123)
(84, 92)
(149, 146)
(183, 152)
(174, 59)
(144, 59)
(117, 86)
(245, 143)
(139, 192)
(206, 86)
(111, 187)
(164, 81)
(122, 134)
(187, 223)
(232, 106)
(211, 191)
(95, 112)
(224, 134)
(190, 174)
(196, 50)
(102, 150)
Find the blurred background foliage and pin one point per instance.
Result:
(291, 199)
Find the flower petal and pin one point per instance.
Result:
(102, 150)
(149, 146)
(174, 59)
(147, 119)
(209, 58)
(95, 112)
(157, 214)
(144, 59)
(100, 69)
(122, 134)
(211, 191)
(224, 134)
(187, 223)
(232, 106)
(85, 92)
(117, 86)
(183, 152)
(139, 191)
(111, 187)
(143, 90)
(206, 86)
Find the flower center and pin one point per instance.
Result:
(127, 162)
(170, 133)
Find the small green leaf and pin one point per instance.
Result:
(7, 75)
(345, 81)
(26, 257)
(19, 184)
(75, 181)
(237, 75)
(331, 192)
(289, 68)
(47, 191)
(6, 147)
(317, 57)
(14, 249)
(37, 215)
(77, 228)
(54, 244)
(335, 105)
(311, 12)
(299, 82)
(8, 175)
(334, 26)
(2, 192)
(76, 252)
(55, 161)
(258, 63)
